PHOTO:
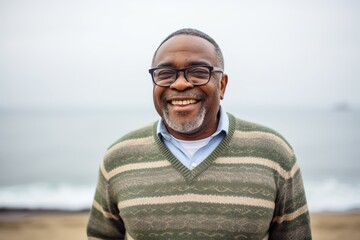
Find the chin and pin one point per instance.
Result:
(184, 127)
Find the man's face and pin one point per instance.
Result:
(190, 112)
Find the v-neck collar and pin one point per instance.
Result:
(191, 175)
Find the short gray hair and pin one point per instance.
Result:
(197, 33)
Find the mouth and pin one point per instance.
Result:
(183, 102)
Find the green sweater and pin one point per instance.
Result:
(250, 187)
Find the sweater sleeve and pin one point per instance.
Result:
(291, 217)
(104, 221)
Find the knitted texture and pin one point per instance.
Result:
(250, 187)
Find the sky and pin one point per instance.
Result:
(85, 53)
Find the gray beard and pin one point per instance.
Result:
(185, 127)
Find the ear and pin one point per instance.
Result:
(223, 84)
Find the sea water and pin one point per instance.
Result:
(49, 159)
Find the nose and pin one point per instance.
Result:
(181, 84)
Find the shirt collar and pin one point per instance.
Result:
(223, 126)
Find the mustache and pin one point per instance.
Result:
(182, 95)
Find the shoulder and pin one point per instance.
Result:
(262, 141)
(244, 127)
(140, 133)
(131, 147)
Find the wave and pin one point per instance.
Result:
(44, 196)
(323, 196)
(332, 195)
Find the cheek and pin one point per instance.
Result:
(213, 93)
(157, 94)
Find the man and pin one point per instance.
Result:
(199, 172)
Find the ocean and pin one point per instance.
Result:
(49, 159)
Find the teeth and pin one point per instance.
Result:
(183, 102)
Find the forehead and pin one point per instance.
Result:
(185, 50)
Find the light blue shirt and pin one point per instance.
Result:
(200, 155)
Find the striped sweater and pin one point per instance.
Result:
(249, 187)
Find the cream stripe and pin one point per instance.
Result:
(128, 237)
(198, 199)
(106, 214)
(264, 135)
(291, 216)
(131, 142)
(260, 161)
(133, 166)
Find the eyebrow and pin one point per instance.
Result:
(193, 63)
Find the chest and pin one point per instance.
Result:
(224, 202)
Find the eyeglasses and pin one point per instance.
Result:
(196, 75)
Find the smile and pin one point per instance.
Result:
(183, 102)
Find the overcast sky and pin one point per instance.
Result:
(97, 53)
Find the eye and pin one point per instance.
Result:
(199, 72)
(162, 74)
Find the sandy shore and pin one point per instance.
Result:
(61, 225)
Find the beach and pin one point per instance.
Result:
(56, 225)
(41, 225)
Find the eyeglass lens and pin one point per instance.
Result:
(194, 75)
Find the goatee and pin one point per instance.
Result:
(184, 127)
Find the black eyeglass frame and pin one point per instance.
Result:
(177, 70)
